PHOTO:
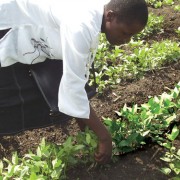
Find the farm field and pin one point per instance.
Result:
(144, 161)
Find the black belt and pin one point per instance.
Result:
(3, 32)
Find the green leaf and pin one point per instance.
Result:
(88, 138)
(166, 171)
(167, 145)
(118, 113)
(126, 149)
(1, 167)
(124, 143)
(166, 159)
(176, 178)
(145, 106)
(38, 151)
(68, 143)
(33, 157)
(145, 133)
(43, 143)
(17, 168)
(132, 137)
(170, 119)
(174, 133)
(56, 174)
(177, 164)
(134, 109)
(78, 147)
(167, 102)
(93, 143)
(15, 158)
(56, 163)
(156, 109)
(175, 92)
(107, 121)
(125, 107)
(24, 171)
(10, 170)
(175, 169)
(33, 176)
(143, 115)
(178, 152)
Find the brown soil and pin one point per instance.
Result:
(141, 164)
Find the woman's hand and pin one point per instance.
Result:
(104, 150)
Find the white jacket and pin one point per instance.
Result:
(54, 29)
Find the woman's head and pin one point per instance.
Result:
(124, 18)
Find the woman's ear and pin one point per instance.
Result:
(110, 15)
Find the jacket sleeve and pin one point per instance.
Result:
(72, 98)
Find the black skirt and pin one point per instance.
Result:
(28, 99)
(22, 105)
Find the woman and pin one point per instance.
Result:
(36, 36)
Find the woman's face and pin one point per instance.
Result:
(118, 32)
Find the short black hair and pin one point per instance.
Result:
(129, 11)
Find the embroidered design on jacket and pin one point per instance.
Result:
(40, 46)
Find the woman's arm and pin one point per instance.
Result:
(104, 151)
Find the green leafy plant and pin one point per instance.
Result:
(50, 161)
(154, 25)
(168, 2)
(135, 62)
(155, 3)
(129, 132)
(177, 8)
(136, 124)
(154, 55)
(178, 31)
(40, 165)
(172, 156)
(159, 3)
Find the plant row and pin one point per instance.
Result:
(159, 3)
(129, 132)
(50, 161)
(134, 62)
